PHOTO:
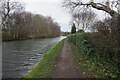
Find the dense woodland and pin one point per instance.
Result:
(17, 23)
(102, 43)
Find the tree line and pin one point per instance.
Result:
(17, 23)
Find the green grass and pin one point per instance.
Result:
(45, 67)
(87, 67)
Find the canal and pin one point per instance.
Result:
(20, 56)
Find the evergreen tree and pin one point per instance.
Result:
(73, 30)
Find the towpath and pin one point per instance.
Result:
(65, 64)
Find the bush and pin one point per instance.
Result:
(92, 45)
(80, 31)
(82, 43)
(6, 36)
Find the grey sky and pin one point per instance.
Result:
(54, 9)
(51, 8)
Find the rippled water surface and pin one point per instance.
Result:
(20, 56)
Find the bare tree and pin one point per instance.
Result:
(79, 4)
(86, 18)
(21, 24)
(7, 8)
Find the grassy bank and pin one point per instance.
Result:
(45, 67)
(88, 61)
(85, 65)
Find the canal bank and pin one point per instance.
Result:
(20, 56)
(44, 68)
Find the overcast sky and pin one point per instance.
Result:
(51, 8)
(54, 9)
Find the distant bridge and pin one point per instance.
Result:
(65, 33)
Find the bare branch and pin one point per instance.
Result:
(97, 6)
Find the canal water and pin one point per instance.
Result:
(20, 56)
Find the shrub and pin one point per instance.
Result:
(93, 46)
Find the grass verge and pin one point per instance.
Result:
(87, 67)
(45, 67)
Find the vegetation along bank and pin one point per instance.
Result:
(17, 23)
(45, 67)
(91, 56)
